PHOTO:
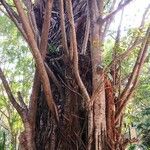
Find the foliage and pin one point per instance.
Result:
(138, 110)
(18, 65)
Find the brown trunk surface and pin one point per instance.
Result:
(72, 130)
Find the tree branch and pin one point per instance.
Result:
(108, 22)
(133, 45)
(52, 76)
(86, 34)
(38, 59)
(144, 15)
(63, 29)
(120, 6)
(100, 5)
(124, 54)
(116, 46)
(14, 17)
(45, 28)
(4, 114)
(10, 95)
(137, 64)
(22, 103)
(33, 98)
(75, 51)
(43, 49)
(32, 19)
(133, 80)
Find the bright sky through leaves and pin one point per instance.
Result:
(132, 14)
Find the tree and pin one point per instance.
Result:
(74, 103)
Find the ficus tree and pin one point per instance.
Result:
(77, 100)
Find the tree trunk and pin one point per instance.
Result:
(72, 131)
(71, 128)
